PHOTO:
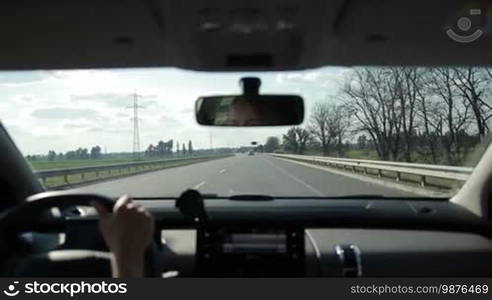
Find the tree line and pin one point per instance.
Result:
(95, 152)
(161, 149)
(166, 149)
(434, 115)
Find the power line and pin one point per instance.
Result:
(136, 131)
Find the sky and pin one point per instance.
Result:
(64, 110)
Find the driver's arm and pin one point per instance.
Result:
(128, 231)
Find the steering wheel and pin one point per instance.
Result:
(31, 216)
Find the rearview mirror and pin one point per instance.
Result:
(264, 110)
(250, 109)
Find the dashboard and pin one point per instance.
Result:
(382, 253)
(310, 238)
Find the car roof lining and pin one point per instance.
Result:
(248, 35)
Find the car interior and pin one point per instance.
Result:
(56, 234)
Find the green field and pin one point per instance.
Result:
(39, 165)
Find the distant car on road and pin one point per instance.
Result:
(251, 153)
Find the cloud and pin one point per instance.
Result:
(75, 125)
(122, 115)
(22, 78)
(115, 99)
(298, 77)
(25, 99)
(95, 129)
(65, 113)
(16, 130)
(88, 107)
(317, 77)
(110, 130)
(168, 121)
(187, 110)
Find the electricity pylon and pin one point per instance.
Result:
(136, 131)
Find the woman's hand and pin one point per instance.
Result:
(128, 231)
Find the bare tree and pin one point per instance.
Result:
(319, 125)
(340, 124)
(452, 110)
(408, 84)
(371, 98)
(296, 139)
(430, 124)
(407, 113)
(329, 124)
(472, 84)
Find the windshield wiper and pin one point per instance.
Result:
(255, 197)
(383, 197)
(270, 198)
(252, 197)
(360, 196)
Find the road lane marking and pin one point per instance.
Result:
(196, 187)
(368, 180)
(221, 171)
(286, 173)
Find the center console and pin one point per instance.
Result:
(250, 252)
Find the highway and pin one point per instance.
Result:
(241, 174)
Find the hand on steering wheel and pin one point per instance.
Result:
(126, 227)
(128, 231)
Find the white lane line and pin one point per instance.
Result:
(221, 171)
(295, 178)
(368, 180)
(196, 187)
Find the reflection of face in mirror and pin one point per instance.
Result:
(243, 113)
(250, 110)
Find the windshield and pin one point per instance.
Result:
(390, 131)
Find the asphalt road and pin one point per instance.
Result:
(241, 174)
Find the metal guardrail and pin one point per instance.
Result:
(422, 171)
(117, 169)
